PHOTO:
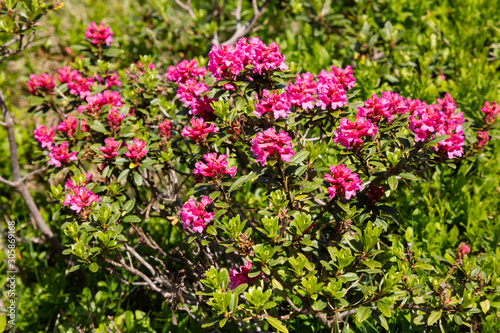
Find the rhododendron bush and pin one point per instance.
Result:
(281, 183)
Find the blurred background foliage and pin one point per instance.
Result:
(418, 48)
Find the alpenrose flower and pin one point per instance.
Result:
(240, 277)
(268, 143)
(79, 85)
(277, 104)
(194, 214)
(115, 119)
(44, 136)
(110, 151)
(136, 150)
(165, 129)
(185, 70)
(42, 84)
(482, 140)
(69, 126)
(79, 199)
(462, 251)
(77, 181)
(199, 130)
(215, 167)
(345, 183)
(59, 155)
(302, 90)
(99, 35)
(490, 112)
(96, 102)
(350, 134)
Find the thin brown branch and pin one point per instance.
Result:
(187, 7)
(242, 30)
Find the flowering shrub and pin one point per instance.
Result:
(282, 182)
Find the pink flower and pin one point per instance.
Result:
(276, 103)
(66, 75)
(241, 277)
(199, 130)
(39, 85)
(69, 126)
(345, 183)
(491, 111)
(215, 166)
(80, 86)
(113, 80)
(80, 198)
(115, 119)
(344, 76)
(452, 146)
(99, 35)
(268, 143)
(59, 155)
(481, 142)
(331, 94)
(462, 251)
(44, 136)
(136, 151)
(351, 134)
(425, 121)
(165, 129)
(376, 107)
(185, 70)
(301, 92)
(110, 150)
(96, 102)
(375, 193)
(397, 104)
(194, 214)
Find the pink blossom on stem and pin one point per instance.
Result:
(331, 94)
(65, 75)
(44, 136)
(110, 150)
(96, 102)
(59, 155)
(185, 70)
(198, 130)
(241, 277)
(268, 143)
(81, 198)
(344, 76)
(99, 35)
(425, 121)
(77, 181)
(136, 150)
(165, 129)
(344, 182)
(375, 193)
(194, 214)
(43, 84)
(115, 119)
(350, 134)
(462, 251)
(301, 92)
(481, 142)
(113, 80)
(273, 102)
(215, 166)
(490, 112)
(397, 104)
(69, 126)
(452, 146)
(80, 86)
(375, 108)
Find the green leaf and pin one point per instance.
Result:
(299, 157)
(434, 316)
(393, 182)
(276, 323)
(363, 313)
(74, 268)
(408, 176)
(3, 322)
(240, 181)
(138, 178)
(485, 305)
(123, 175)
(131, 219)
(93, 267)
(384, 308)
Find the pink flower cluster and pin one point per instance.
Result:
(136, 150)
(99, 35)
(439, 119)
(215, 166)
(240, 277)
(77, 84)
(77, 181)
(69, 126)
(194, 214)
(490, 112)
(110, 150)
(165, 129)
(59, 155)
(388, 105)
(344, 182)
(302, 90)
(43, 84)
(463, 249)
(184, 71)
(44, 136)
(278, 104)
(482, 140)
(110, 79)
(198, 131)
(191, 87)
(96, 102)
(350, 134)
(268, 143)
(115, 119)
(231, 60)
(79, 199)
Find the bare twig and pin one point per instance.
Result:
(187, 7)
(242, 30)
